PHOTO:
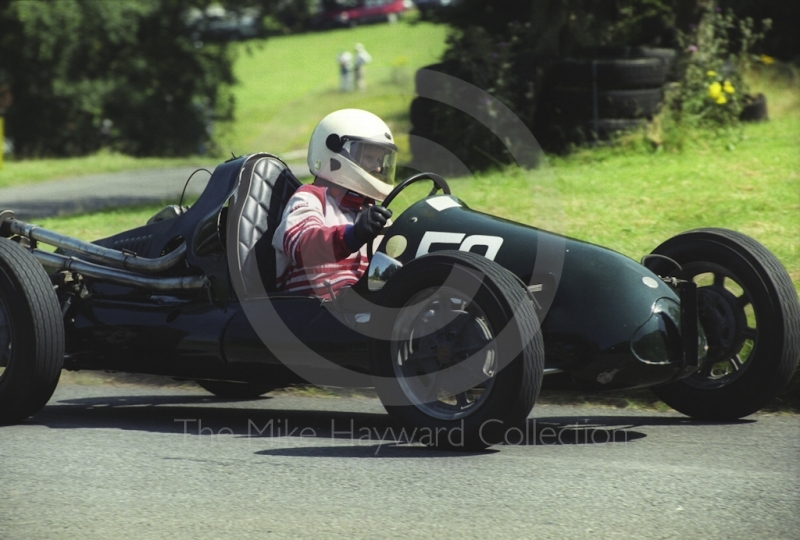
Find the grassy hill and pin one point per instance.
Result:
(288, 84)
(285, 86)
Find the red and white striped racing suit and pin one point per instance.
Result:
(315, 242)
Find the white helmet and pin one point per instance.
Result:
(354, 149)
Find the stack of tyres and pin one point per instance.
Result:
(615, 89)
(442, 137)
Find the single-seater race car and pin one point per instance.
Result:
(459, 321)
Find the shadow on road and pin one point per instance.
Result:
(353, 434)
(360, 450)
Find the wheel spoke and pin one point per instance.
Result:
(705, 371)
(736, 362)
(719, 279)
(743, 301)
(462, 400)
(750, 333)
(432, 390)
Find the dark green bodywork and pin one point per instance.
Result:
(591, 301)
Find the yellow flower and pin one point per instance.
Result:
(711, 73)
(714, 90)
(766, 59)
(728, 87)
(722, 100)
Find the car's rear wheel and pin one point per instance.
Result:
(31, 335)
(749, 310)
(463, 359)
(235, 390)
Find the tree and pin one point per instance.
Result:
(85, 73)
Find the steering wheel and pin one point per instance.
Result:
(438, 183)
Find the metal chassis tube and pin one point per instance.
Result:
(112, 257)
(123, 277)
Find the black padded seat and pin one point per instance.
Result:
(265, 186)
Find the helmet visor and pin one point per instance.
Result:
(377, 159)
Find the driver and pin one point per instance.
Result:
(321, 240)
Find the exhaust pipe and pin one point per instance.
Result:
(113, 275)
(113, 257)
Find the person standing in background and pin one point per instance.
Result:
(345, 60)
(361, 60)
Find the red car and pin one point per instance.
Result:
(353, 12)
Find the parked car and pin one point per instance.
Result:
(458, 322)
(216, 24)
(432, 6)
(338, 13)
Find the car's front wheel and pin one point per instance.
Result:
(749, 310)
(461, 362)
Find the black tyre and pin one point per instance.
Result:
(31, 335)
(667, 56)
(610, 73)
(580, 102)
(235, 390)
(422, 114)
(749, 310)
(754, 109)
(464, 362)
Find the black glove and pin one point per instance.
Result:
(370, 222)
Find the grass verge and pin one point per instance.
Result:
(639, 399)
(96, 225)
(15, 173)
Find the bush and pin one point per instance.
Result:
(713, 89)
(783, 42)
(290, 16)
(510, 60)
(124, 74)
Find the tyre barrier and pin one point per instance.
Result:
(589, 98)
(669, 57)
(610, 73)
(613, 89)
(606, 104)
(422, 114)
(755, 109)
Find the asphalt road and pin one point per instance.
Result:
(145, 462)
(97, 191)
